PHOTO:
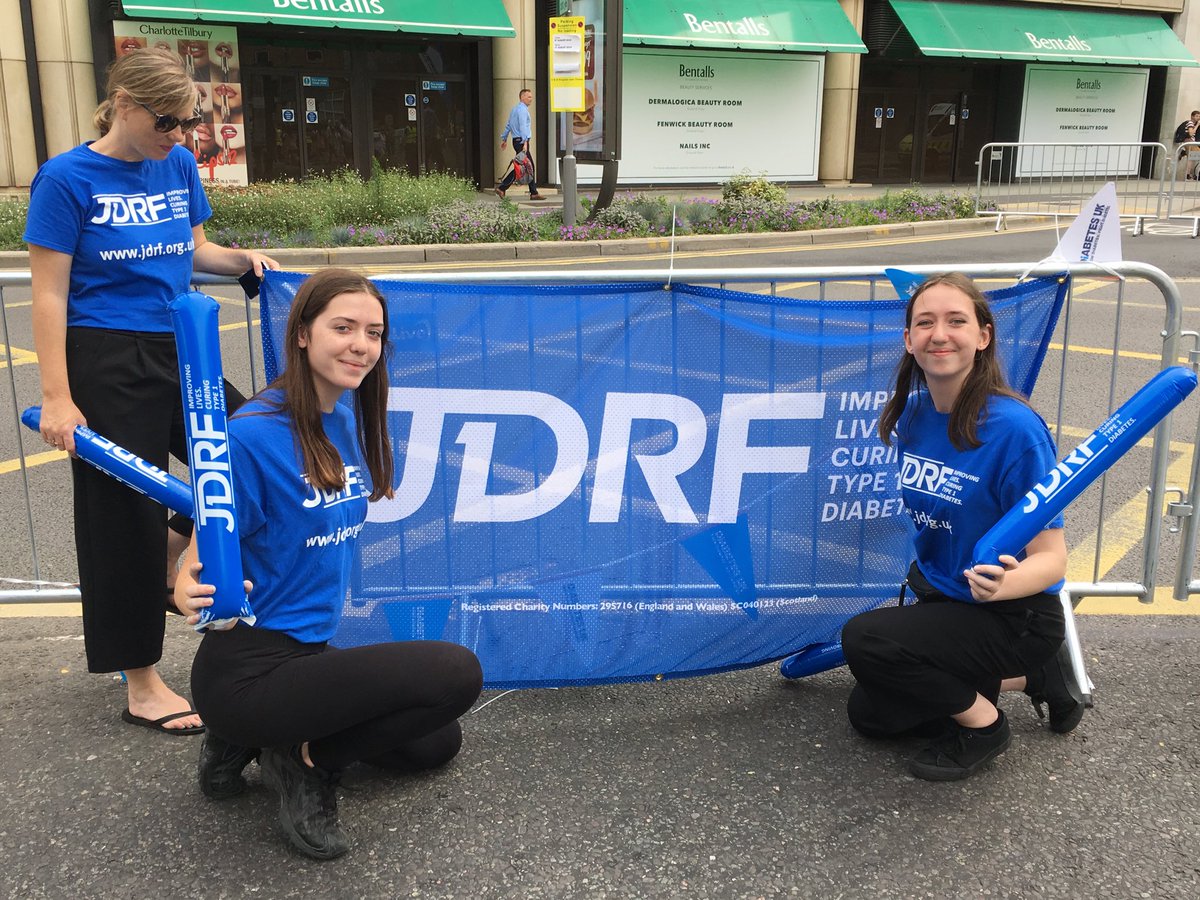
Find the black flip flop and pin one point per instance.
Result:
(157, 724)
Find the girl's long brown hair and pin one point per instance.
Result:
(322, 462)
(986, 378)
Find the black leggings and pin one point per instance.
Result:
(126, 384)
(393, 704)
(928, 660)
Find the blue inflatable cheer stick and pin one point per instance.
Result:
(194, 317)
(814, 659)
(122, 465)
(1085, 464)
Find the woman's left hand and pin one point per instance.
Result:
(986, 582)
(259, 262)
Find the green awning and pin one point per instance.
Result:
(805, 26)
(1031, 32)
(484, 18)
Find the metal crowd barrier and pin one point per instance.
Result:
(1055, 180)
(1059, 376)
(1183, 199)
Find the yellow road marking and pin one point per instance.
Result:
(16, 356)
(40, 610)
(1164, 605)
(33, 459)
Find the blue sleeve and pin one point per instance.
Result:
(55, 219)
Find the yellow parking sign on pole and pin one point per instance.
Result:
(566, 64)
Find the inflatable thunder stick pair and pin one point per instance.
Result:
(209, 499)
(1078, 469)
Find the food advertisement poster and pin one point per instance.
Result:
(706, 115)
(587, 124)
(210, 55)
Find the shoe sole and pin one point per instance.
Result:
(1068, 723)
(942, 773)
(285, 822)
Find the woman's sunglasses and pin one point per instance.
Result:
(164, 124)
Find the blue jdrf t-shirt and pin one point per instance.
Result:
(297, 542)
(954, 496)
(128, 228)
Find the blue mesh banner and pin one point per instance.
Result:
(614, 482)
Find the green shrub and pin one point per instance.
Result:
(745, 186)
(12, 223)
(479, 222)
(622, 215)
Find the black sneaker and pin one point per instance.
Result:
(961, 753)
(221, 765)
(1055, 686)
(307, 803)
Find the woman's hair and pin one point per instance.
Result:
(150, 76)
(322, 462)
(986, 379)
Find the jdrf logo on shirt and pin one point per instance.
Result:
(354, 488)
(131, 209)
(925, 475)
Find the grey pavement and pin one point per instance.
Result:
(729, 786)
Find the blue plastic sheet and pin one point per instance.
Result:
(601, 483)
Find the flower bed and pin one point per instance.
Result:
(394, 209)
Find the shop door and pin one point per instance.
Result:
(420, 125)
(275, 128)
(883, 143)
(938, 144)
(302, 126)
(327, 129)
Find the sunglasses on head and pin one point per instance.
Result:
(164, 124)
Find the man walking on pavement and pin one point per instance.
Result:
(521, 128)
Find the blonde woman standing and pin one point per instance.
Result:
(115, 230)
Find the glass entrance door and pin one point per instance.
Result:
(420, 125)
(883, 143)
(275, 128)
(302, 126)
(939, 137)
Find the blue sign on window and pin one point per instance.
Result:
(311, 117)
(433, 85)
(410, 99)
(879, 112)
(315, 80)
(289, 115)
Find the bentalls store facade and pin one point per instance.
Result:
(884, 91)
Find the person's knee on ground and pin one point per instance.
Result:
(424, 753)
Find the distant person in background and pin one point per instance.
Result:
(1186, 133)
(520, 127)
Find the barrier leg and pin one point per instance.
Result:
(1075, 649)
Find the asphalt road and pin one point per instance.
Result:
(740, 785)
(734, 786)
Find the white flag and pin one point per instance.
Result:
(1095, 235)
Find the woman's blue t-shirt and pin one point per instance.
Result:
(128, 229)
(297, 542)
(954, 496)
